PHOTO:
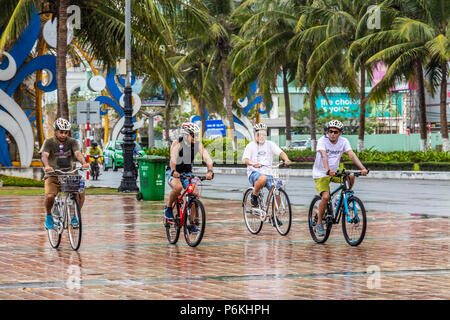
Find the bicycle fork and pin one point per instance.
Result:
(355, 210)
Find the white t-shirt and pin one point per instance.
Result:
(334, 152)
(261, 154)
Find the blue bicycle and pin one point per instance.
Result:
(343, 203)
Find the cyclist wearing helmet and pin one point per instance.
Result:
(95, 150)
(258, 153)
(330, 148)
(59, 152)
(182, 154)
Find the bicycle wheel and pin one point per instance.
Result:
(355, 229)
(312, 221)
(251, 216)
(54, 235)
(282, 212)
(74, 222)
(173, 227)
(194, 223)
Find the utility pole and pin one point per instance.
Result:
(128, 183)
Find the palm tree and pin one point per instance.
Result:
(337, 25)
(418, 37)
(262, 50)
(151, 34)
(221, 29)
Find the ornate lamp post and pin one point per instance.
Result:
(128, 183)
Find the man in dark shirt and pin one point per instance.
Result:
(59, 152)
(182, 154)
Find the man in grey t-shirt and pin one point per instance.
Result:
(59, 152)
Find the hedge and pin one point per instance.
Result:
(10, 181)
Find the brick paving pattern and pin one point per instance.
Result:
(124, 254)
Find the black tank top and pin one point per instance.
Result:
(186, 155)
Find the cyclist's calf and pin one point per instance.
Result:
(259, 184)
(49, 201)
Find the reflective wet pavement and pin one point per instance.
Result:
(124, 254)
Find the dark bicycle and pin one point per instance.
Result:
(342, 204)
(95, 167)
(189, 214)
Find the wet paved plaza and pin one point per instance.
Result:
(124, 254)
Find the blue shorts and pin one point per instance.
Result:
(255, 176)
(184, 181)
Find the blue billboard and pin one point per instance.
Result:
(215, 128)
(341, 104)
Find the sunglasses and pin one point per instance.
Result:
(333, 131)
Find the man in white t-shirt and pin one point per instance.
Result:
(329, 152)
(258, 156)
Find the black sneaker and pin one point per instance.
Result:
(254, 200)
(272, 221)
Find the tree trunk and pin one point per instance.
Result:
(167, 117)
(201, 109)
(61, 54)
(41, 47)
(312, 116)
(362, 110)
(151, 132)
(228, 99)
(443, 109)
(422, 107)
(287, 102)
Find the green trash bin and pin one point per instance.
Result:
(152, 178)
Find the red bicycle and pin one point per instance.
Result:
(189, 215)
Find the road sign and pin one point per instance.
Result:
(88, 112)
(215, 127)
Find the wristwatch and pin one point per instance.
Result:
(328, 172)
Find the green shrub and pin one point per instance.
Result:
(163, 152)
(10, 181)
(434, 166)
(382, 165)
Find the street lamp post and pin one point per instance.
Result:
(128, 183)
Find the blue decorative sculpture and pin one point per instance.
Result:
(14, 71)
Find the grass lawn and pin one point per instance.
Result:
(13, 191)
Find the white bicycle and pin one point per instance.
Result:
(275, 208)
(66, 209)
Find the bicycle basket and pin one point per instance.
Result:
(281, 176)
(70, 183)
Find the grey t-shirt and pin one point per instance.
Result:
(61, 155)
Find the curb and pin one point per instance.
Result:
(402, 175)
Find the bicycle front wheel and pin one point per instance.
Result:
(74, 222)
(313, 216)
(251, 215)
(281, 212)
(354, 222)
(194, 223)
(54, 235)
(173, 226)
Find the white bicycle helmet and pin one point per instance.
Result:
(61, 124)
(335, 124)
(190, 128)
(260, 126)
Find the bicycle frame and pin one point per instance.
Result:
(190, 195)
(346, 193)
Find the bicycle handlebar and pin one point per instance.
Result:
(349, 173)
(189, 177)
(281, 164)
(67, 172)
